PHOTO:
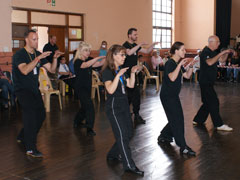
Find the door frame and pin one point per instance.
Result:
(67, 26)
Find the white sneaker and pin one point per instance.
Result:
(224, 127)
(194, 123)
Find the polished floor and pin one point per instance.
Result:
(71, 155)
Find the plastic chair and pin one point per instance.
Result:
(148, 76)
(47, 90)
(62, 87)
(95, 85)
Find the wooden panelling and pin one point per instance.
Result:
(6, 61)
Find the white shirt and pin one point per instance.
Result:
(165, 60)
(196, 66)
(63, 68)
(156, 61)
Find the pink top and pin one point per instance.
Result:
(156, 61)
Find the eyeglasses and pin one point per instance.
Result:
(122, 54)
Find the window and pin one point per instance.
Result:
(162, 23)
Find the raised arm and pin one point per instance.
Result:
(27, 68)
(51, 67)
(131, 80)
(189, 72)
(134, 49)
(99, 63)
(213, 60)
(111, 86)
(91, 62)
(173, 75)
(148, 50)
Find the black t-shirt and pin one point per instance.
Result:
(171, 88)
(108, 75)
(83, 75)
(208, 74)
(235, 61)
(50, 47)
(130, 61)
(29, 81)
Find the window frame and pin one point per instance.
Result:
(160, 27)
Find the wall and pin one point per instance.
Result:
(194, 22)
(110, 19)
(104, 20)
(6, 26)
(235, 25)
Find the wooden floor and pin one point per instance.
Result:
(70, 155)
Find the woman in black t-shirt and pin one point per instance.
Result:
(117, 107)
(170, 98)
(83, 84)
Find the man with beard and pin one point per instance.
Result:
(130, 61)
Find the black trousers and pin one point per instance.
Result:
(134, 98)
(118, 113)
(87, 108)
(175, 125)
(210, 106)
(67, 80)
(33, 115)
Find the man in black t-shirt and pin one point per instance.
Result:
(130, 61)
(25, 68)
(51, 46)
(208, 74)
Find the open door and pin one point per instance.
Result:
(59, 32)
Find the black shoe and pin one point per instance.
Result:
(20, 141)
(119, 158)
(77, 125)
(187, 151)
(164, 140)
(34, 153)
(139, 120)
(90, 132)
(135, 170)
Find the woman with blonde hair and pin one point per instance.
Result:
(117, 108)
(83, 69)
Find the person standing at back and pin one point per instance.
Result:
(208, 74)
(131, 60)
(51, 46)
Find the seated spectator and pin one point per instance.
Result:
(165, 58)
(196, 66)
(7, 89)
(233, 63)
(64, 72)
(222, 62)
(157, 62)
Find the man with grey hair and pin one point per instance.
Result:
(208, 74)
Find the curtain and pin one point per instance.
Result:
(223, 21)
